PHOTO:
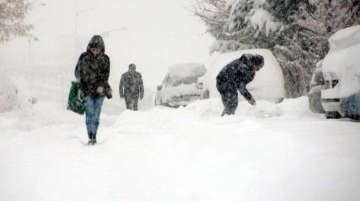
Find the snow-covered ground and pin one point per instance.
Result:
(272, 152)
(267, 152)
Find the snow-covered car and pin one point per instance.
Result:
(15, 94)
(341, 70)
(317, 83)
(268, 83)
(180, 85)
(8, 95)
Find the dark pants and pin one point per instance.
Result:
(230, 102)
(92, 114)
(229, 98)
(131, 102)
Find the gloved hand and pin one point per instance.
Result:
(121, 95)
(141, 96)
(252, 101)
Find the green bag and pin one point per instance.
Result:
(75, 102)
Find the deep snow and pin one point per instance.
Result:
(268, 152)
(272, 152)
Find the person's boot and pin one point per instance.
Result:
(92, 139)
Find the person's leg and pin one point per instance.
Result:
(135, 103)
(97, 111)
(233, 103)
(224, 101)
(89, 104)
(230, 101)
(222, 94)
(128, 102)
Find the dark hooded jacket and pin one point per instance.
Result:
(93, 71)
(235, 76)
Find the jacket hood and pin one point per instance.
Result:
(96, 41)
(250, 60)
(246, 59)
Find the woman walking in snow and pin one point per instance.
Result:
(92, 70)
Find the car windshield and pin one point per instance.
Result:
(184, 73)
(175, 81)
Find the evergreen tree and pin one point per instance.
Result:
(12, 19)
(297, 32)
(308, 29)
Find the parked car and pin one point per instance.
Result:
(8, 95)
(341, 70)
(268, 83)
(15, 94)
(317, 83)
(180, 85)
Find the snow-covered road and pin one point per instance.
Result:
(268, 152)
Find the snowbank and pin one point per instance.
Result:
(190, 153)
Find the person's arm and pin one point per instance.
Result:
(141, 87)
(103, 76)
(246, 77)
(244, 92)
(247, 95)
(78, 67)
(121, 86)
(105, 71)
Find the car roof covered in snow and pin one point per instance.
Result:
(344, 52)
(187, 70)
(343, 62)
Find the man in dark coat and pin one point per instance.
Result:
(131, 88)
(92, 70)
(235, 76)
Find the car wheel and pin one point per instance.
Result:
(332, 115)
(355, 117)
(206, 94)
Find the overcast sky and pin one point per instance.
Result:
(153, 34)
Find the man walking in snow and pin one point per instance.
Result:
(235, 76)
(131, 88)
(92, 70)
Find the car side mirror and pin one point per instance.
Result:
(159, 87)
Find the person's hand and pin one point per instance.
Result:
(121, 95)
(100, 90)
(141, 96)
(252, 101)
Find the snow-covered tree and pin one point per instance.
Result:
(214, 13)
(295, 30)
(12, 19)
(309, 25)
